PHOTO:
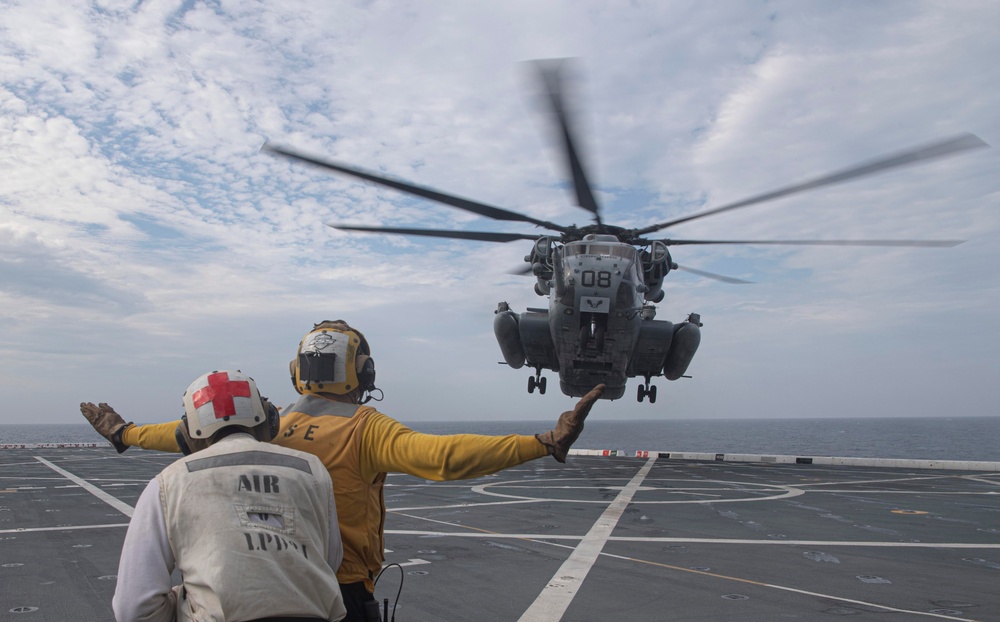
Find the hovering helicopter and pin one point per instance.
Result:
(602, 281)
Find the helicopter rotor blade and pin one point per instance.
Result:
(482, 236)
(897, 243)
(468, 205)
(712, 275)
(956, 144)
(551, 75)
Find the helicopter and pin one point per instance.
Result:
(603, 281)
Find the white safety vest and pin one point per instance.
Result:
(249, 527)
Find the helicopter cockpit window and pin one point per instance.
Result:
(625, 252)
(613, 250)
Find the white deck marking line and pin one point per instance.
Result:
(555, 536)
(981, 478)
(467, 505)
(556, 597)
(780, 492)
(868, 604)
(66, 528)
(847, 482)
(114, 502)
(790, 589)
(862, 491)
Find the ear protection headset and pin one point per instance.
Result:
(273, 419)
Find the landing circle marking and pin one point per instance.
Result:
(707, 488)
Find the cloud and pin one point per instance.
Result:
(32, 271)
(138, 215)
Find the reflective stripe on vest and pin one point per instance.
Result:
(250, 458)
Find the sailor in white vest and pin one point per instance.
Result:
(251, 527)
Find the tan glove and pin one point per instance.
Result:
(569, 426)
(107, 422)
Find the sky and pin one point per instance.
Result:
(145, 239)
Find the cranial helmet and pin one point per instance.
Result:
(333, 358)
(221, 399)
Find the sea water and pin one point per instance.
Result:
(944, 438)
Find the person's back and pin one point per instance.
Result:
(334, 432)
(248, 523)
(251, 527)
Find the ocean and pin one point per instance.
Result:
(945, 438)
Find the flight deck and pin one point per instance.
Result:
(599, 538)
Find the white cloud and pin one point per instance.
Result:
(145, 239)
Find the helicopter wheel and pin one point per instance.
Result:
(641, 393)
(531, 384)
(652, 394)
(541, 386)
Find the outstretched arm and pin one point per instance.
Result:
(389, 446)
(158, 436)
(122, 435)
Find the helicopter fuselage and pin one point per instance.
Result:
(598, 327)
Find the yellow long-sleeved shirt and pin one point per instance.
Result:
(359, 445)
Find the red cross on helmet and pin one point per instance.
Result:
(220, 399)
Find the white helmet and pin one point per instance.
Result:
(220, 399)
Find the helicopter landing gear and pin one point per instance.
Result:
(645, 390)
(537, 381)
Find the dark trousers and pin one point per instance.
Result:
(355, 596)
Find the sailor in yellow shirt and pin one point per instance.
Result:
(335, 374)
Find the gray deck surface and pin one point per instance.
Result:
(596, 539)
